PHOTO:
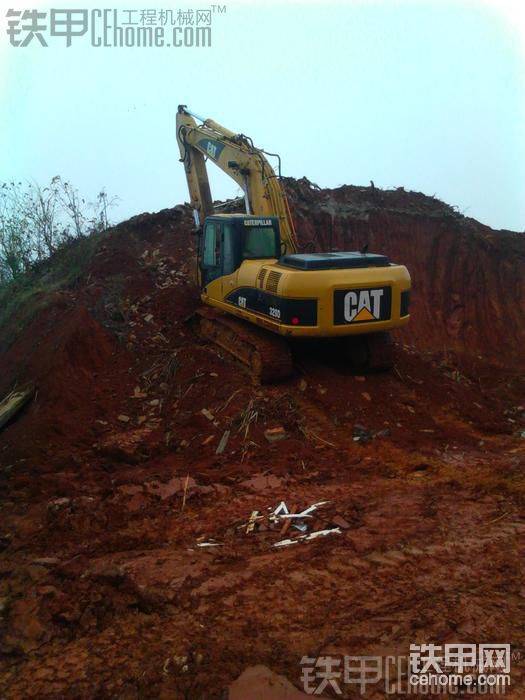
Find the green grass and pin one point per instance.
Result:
(22, 298)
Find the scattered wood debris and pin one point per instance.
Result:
(251, 522)
(311, 536)
(209, 544)
(208, 414)
(223, 442)
(300, 525)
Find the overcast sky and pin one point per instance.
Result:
(425, 95)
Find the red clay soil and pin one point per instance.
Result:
(468, 282)
(110, 478)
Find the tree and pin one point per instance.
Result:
(35, 221)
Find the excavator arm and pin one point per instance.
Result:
(236, 155)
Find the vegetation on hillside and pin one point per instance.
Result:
(37, 221)
(47, 233)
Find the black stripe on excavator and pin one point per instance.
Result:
(292, 312)
(405, 301)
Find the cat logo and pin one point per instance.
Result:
(211, 149)
(363, 305)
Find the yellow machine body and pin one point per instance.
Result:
(318, 285)
(277, 294)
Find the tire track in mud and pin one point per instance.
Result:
(315, 423)
(394, 557)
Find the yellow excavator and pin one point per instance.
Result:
(259, 290)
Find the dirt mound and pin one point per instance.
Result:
(127, 569)
(468, 284)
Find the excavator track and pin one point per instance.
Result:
(267, 357)
(380, 352)
(369, 353)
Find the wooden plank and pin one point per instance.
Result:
(222, 444)
(251, 522)
(13, 403)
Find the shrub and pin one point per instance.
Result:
(37, 221)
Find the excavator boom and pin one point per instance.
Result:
(236, 155)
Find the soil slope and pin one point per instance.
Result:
(468, 282)
(111, 481)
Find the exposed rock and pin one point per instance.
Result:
(130, 446)
(275, 434)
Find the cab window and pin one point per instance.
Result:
(210, 257)
(259, 242)
(228, 249)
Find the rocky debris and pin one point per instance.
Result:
(363, 435)
(262, 482)
(130, 446)
(361, 201)
(340, 522)
(173, 487)
(47, 562)
(275, 434)
(58, 504)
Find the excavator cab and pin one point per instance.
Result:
(227, 240)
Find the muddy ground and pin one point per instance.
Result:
(110, 481)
